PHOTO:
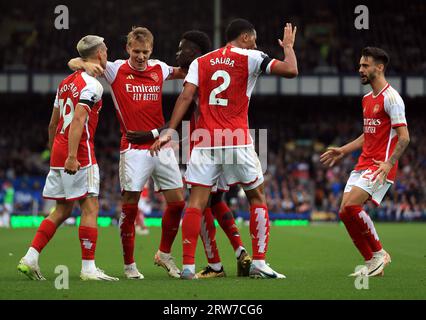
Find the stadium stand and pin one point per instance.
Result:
(300, 128)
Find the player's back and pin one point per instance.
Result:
(77, 88)
(226, 78)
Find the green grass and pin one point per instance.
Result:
(316, 260)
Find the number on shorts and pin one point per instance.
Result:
(213, 100)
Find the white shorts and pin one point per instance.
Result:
(63, 186)
(239, 165)
(361, 180)
(136, 166)
(220, 185)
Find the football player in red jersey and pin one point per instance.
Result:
(224, 80)
(136, 85)
(74, 173)
(383, 141)
(194, 44)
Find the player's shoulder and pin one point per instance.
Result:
(392, 96)
(155, 62)
(248, 52)
(92, 83)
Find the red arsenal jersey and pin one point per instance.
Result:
(225, 79)
(137, 97)
(382, 114)
(77, 88)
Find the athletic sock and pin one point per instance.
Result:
(191, 226)
(127, 231)
(208, 236)
(350, 218)
(170, 225)
(226, 221)
(259, 230)
(44, 233)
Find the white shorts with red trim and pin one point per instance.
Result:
(63, 186)
(238, 165)
(136, 166)
(375, 189)
(220, 186)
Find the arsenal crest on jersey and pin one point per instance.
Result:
(376, 108)
(154, 76)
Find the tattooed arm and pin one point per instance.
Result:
(385, 167)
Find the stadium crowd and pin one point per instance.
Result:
(296, 182)
(326, 43)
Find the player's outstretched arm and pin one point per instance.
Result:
(139, 137)
(335, 154)
(288, 67)
(178, 73)
(53, 125)
(74, 136)
(385, 166)
(91, 68)
(181, 107)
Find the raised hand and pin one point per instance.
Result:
(288, 37)
(332, 156)
(93, 69)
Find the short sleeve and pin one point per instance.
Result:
(56, 102)
(111, 70)
(166, 69)
(91, 93)
(395, 108)
(192, 76)
(259, 62)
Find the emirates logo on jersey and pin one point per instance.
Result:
(376, 108)
(154, 76)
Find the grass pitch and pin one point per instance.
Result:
(316, 260)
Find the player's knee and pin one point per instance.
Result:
(216, 198)
(130, 197)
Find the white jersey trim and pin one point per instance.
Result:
(111, 70)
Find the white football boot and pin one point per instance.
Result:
(166, 261)
(97, 275)
(264, 272)
(132, 272)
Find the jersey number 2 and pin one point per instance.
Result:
(213, 100)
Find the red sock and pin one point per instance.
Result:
(366, 226)
(44, 233)
(127, 231)
(191, 225)
(259, 230)
(349, 217)
(170, 225)
(208, 235)
(88, 237)
(226, 221)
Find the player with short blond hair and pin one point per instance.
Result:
(137, 85)
(74, 173)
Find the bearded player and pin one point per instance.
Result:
(383, 141)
